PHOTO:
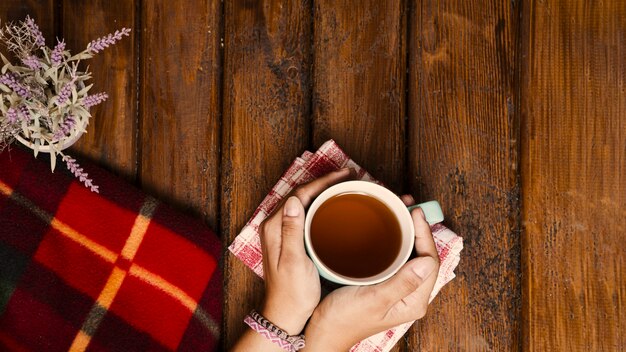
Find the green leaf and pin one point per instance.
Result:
(49, 72)
(4, 59)
(36, 147)
(25, 130)
(53, 158)
(74, 95)
(81, 56)
(84, 90)
(45, 54)
(40, 79)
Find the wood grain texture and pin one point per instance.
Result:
(297, 73)
(180, 104)
(266, 109)
(111, 134)
(463, 146)
(574, 176)
(359, 83)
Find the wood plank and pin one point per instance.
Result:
(111, 135)
(359, 80)
(463, 130)
(180, 104)
(359, 84)
(574, 176)
(266, 108)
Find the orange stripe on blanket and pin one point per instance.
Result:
(113, 284)
(5, 189)
(83, 240)
(140, 227)
(80, 343)
(69, 232)
(164, 285)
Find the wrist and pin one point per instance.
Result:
(290, 321)
(319, 338)
(273, 333)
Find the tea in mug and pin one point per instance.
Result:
(355, 235)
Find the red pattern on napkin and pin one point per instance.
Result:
(309, 166)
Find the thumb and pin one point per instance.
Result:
(408, 279)
(292, 229)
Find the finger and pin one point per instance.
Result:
(424, 242)
(407, 199)
(307, 192)
(414, 304)
(270, 240)
(292, 245)
(407, 280)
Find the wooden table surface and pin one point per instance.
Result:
(511, 113)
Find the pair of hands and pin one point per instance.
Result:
(348, 314)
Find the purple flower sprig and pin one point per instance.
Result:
(12, 115)
(64, 128)
(73, 166)
(10, 80)
(65, 92)
(24, 112)
(94, 99)
(57, 53)
(32, 62)
(34, 31)
(102, 43)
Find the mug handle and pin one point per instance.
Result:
(432, 211)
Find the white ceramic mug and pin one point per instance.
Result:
(431, 209)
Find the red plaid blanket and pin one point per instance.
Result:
(111, 271)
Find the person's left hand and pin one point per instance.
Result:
(292, 284)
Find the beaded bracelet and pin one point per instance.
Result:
(265, 328)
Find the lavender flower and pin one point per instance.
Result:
(35, 32)
(24, 112)
(79, 173)
(57, 53)
(32, 61)
(65, 127)
(12, 115)
(94, 99)
(65, 93)
(10, 80)
(104, 42)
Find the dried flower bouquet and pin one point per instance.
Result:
(44, 98)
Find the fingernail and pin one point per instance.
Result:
(420, 212)
(423, 268)
(292, 208)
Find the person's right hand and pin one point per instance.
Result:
(352, 313)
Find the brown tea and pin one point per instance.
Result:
(355, 235)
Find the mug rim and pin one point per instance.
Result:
(382, 194)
